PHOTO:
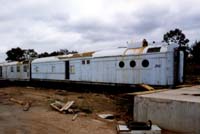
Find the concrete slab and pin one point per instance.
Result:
(175, 110)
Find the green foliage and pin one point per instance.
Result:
(30, 54)
(55, 53)
(18, 54)
(15, 54)
(196, 52)
(176, 36)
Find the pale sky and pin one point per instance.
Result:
(85, 25)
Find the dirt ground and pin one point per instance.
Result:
(42, 119)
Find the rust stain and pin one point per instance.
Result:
(135, 50)
(77, 55)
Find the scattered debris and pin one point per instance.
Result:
(132, 125)
(61, 92)
(108, 117)
(27, 106)
(124, 129)
(86, 110)
(82, 114)
(59, 106)
(67, 105)
(147, 87)
(74, 117)
(17, 101)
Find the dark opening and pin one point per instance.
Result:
(0, 71)
(152, 50)
(18, 68)
(67, 70)
(145, 63)
(88, 61)
(176, 67)
(11, 69)
(83, 61)
(132, 63)
(121, 64)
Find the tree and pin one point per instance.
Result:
(176, 36)
(45, 54)
(30, 54)
(196, 52)
(15, 54)
(66, 51)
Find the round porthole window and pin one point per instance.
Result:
(121, 64)
(132, 63)
(145, 63)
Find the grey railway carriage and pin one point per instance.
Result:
(154, 65)
(15, 71)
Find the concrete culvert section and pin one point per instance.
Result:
(176, 111)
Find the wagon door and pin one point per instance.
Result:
(178, 67)
(67, 70)
(0, 71)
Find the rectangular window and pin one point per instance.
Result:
(152, 50)
(88, 61)
(25, 68)
(83, 61)
(53, 69)
(18, 68)
(11, 69)
(36, 68)
(72, 69)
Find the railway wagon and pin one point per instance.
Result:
(48, 68)
(154, 65)
(15, 71)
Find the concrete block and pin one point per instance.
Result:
(172, 110)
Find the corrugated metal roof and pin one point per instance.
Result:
(46, 59)
(77, 55)
(10, 63)
(112, 52)
(163, 47)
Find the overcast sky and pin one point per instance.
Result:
(84, 25)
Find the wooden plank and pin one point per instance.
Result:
(67, 105)
(147, 87)
(27, 106)
(53, 105)
(74, 117)
(17, 101)
(146, 92)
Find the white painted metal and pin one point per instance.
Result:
(75, 70)
(45, 59)
(48, 70)
(133, 51)
(103, 66)
(10, 71)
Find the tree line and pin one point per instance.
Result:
(18, 54)
(173, 36)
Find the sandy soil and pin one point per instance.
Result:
(42, 119)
